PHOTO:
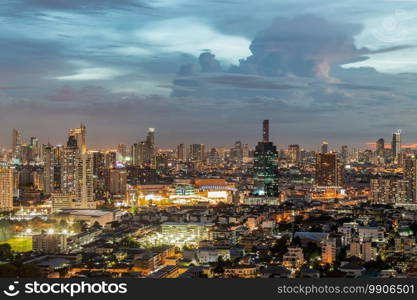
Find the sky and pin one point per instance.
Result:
(209, 71)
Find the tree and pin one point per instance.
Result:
(5, 252)
(8, 271)
(29, 271)
(79, 226)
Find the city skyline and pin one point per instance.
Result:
(351, 80)
(335, 147)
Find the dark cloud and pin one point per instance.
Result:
(84, 6)
(209, 63)
(305, 46)
(249, 82)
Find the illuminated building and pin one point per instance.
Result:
(410, 174)
(110, 159)
(380, 147)
(48, 169)
(79, 135)
(265, 166)
(116, 181)
(197, 153)
(16, 142)
(49, 243)
(122, 150)
(181, 155)
(329, 250)
(329, 171)
(236, 152)
(389, 191)
(294, 154)
(84, 180)
(186, 233)
(324, 147)
(294, 258)
(68, 166)
(396, 146)
(6, 187)
(144, 152)
(345, 154)
(364, 250)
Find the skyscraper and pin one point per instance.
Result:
(84, 180)
(329, 171)
(16, 142)
(345, 154)
(197, 152)
(68, 165)
(294, 154)
(48, 169)
(265, 166)
(410, 174)
(181, 152)
(396, 146)
(324, 147)
(6, 187)
(79, 135)
(380, 147)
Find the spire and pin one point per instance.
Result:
(265, 131)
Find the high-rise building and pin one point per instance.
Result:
(122, 150)
(48, 169)
(79, 135)
(410, 174)
(84, 179)
(294, 154)
(110, 159)
(380, 147)
(345, 154)
(236, 152)
(197, 152)
(6, 187)
(68, 166)
(396, 146)
(389, 191)
(149, 150)
(116, 181)
(324, 147)
(265, 166)
(16, 142)
(49, 243)
(181, 155)
(329, 171)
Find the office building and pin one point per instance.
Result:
(6, 187)
(265, 166)
(329, 172)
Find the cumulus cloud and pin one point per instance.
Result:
(305, 46)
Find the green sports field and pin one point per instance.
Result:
(19, 244)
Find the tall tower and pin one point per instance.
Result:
(265, 131)
(84, 180)
(48, 169)
(181, 152)
(16, 142)
(324, 147)
(329, 171)
(265, 166)
(6, 187)
(80, 136)
(410, 174)
(294, 154)
(396, 146)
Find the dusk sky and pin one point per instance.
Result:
(209, 71)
